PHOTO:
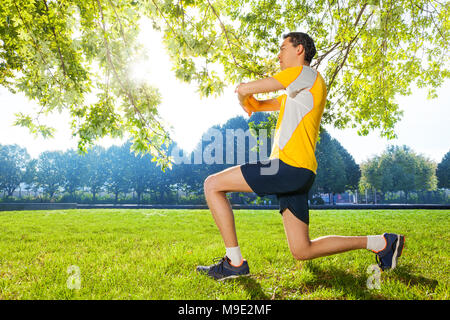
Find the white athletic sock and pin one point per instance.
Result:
(234, 254)
(376, 243)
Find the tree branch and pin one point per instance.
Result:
(36, 45)
(349, 46)
(56, 41)
(228, 42)
(129, 95)
(167, 22)
(320, 58)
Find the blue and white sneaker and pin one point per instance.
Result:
(224, 270)
(387, 257)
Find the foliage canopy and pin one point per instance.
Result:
(75, 55)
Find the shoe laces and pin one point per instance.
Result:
(219, 262)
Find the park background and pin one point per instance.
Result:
(49, 170)
(74, 71)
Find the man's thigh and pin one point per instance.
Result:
(228, 180)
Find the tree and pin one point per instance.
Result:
(74, 172)
(375, 178)
(50, 172)
(97, 170)
(331, 175)
(409, 171)
(30, 175)
(119, 178)
(58, 52)
(443, 172)
(352, 170)
(143, 175)
(399, 168)
(368, 51)
(14, 162)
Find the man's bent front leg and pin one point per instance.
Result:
(216, 186)
(223, 216)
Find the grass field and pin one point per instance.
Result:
(152, 254)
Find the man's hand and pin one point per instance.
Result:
(244, 100)
(245, 92)
(248, 107)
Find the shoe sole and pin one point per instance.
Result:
(234, 277)
(205, 272)
(398, 250)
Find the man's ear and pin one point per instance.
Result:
(300, 49)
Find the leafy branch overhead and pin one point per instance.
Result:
(75, 55)
(368, 51)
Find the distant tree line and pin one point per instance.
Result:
(401, 175)
(115, 175)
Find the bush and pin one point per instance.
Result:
(192, 199)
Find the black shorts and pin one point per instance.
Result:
(290, 184)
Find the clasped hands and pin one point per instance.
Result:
(247, 101)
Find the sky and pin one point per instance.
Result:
(424, 126)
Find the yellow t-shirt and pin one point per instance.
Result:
(299, 119)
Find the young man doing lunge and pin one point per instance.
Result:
(290, 171)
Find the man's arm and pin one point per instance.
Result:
(259, 86)
(263, 105)
(245, 93)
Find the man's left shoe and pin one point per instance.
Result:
(387, 258)
(224, 269)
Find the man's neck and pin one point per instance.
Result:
(298, 65)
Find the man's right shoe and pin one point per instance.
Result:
(387, 257)
(224, 269)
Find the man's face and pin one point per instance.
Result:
(289, 54)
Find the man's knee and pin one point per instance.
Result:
(211, 184)
(301, 253)
(301, 256)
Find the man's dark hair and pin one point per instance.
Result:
(297, 38)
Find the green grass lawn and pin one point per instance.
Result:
(152, 254)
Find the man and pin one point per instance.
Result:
(291, 168)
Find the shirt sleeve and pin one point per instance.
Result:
(280, 98)
(288, 75)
